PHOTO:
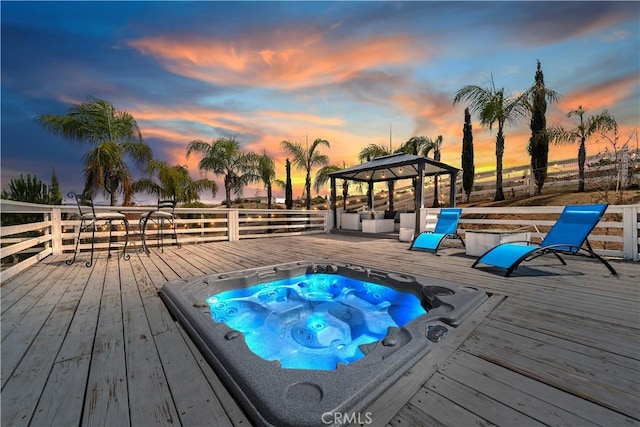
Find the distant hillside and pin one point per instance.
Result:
(563, 198)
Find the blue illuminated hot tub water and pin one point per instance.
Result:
(314, 321)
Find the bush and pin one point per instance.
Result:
(194, 205)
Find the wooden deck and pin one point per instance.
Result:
(553, 345)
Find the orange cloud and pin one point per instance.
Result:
(599, 97)
(288, 60)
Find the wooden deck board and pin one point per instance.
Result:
(107, 399)
(25, 383)
(481, 404)
(428, 408)
(60, 402)
(573, 326)
(565, 369)
(145, 374)
(195, 400)
(86, 346)
(559, 407)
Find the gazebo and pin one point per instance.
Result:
(395, 167)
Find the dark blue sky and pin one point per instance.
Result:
(268, 71)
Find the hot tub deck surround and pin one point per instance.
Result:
(551, 345)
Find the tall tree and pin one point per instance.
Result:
(55, 196)
(538, 146)
(288, 189)
(307, 158)
(224, 157)
(436, 144)
(468, 165)
(114, 135)
(267, 174)
(173, 182)
(602, 122)
(493, 106)
(371, 152)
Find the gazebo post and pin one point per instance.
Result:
(371, 196)
(333, 203)
(418, 192)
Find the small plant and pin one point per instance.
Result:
(29, 189)
(612, 172)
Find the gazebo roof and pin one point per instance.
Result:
(393, 167)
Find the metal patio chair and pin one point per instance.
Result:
(165, 211)
(90, 218)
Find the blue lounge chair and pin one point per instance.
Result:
(446, 228)
(568, 236)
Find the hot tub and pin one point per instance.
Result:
(298, 343)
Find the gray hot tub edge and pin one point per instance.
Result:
(273, 396)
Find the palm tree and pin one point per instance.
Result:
(175, 183)
(224, 157)
(306, 159)
(114, 135)
(371, 152)
(422, 146)
(266, 171)
(322, 176)
(435, 146)
(494, 107)
(602, 122)
(416, 145)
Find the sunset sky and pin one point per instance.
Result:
(352, 73)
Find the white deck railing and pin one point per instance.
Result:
(616, 235)
(57, 232)
(26, 244)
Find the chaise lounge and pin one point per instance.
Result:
(446, 228)
(568, 236)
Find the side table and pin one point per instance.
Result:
(480, 241)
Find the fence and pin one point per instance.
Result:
(616, 235)
(57, 231)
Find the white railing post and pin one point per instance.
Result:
(423, 219)
(630, 232)
(328, 221)
(56, 231)
(46, 217)
(233, 224)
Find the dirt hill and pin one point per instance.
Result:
(564, 198)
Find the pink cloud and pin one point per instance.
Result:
(602, 96)
(282, 59)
